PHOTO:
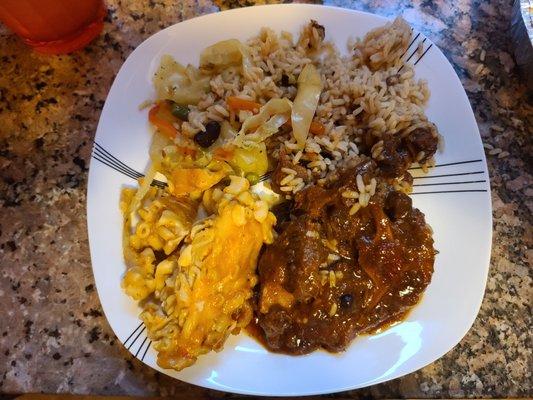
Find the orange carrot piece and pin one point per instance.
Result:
(236, 104)
(161, 117)
(317, 128)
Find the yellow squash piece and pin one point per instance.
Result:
(250, 159)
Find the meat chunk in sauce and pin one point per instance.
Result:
(284, 163)
(394, 158)
(330, 275)
(422, 144)
(398, 153)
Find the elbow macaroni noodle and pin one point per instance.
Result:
(194, 280)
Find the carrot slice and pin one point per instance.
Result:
(237, 104)
(317, 128)
(161, 117)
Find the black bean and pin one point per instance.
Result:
(284, 80)
(209, 136)
(326, 154)
(346, 300)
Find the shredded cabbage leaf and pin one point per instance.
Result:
(184, 85)
(225, 54)
(266, 123)
(159, 142)
(305, 103)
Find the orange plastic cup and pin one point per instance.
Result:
(54, 26)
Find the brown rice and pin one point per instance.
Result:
(356, 97)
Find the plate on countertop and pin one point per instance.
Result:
(454, 196)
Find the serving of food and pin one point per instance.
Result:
(326, 246)
(297, 181)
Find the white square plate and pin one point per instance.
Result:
(456, 202)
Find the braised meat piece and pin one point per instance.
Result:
(398, 153)
(278, 174)
(333, 274)
(394, 158)
(397, 205)
(422, 144)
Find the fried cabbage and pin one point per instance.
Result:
(184, 85)
(224, 54)
(305, 103)
(266, 123)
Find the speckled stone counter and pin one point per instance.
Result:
(53, 335)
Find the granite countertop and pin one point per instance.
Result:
(53, 335)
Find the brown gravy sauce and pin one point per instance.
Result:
(332, 275)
